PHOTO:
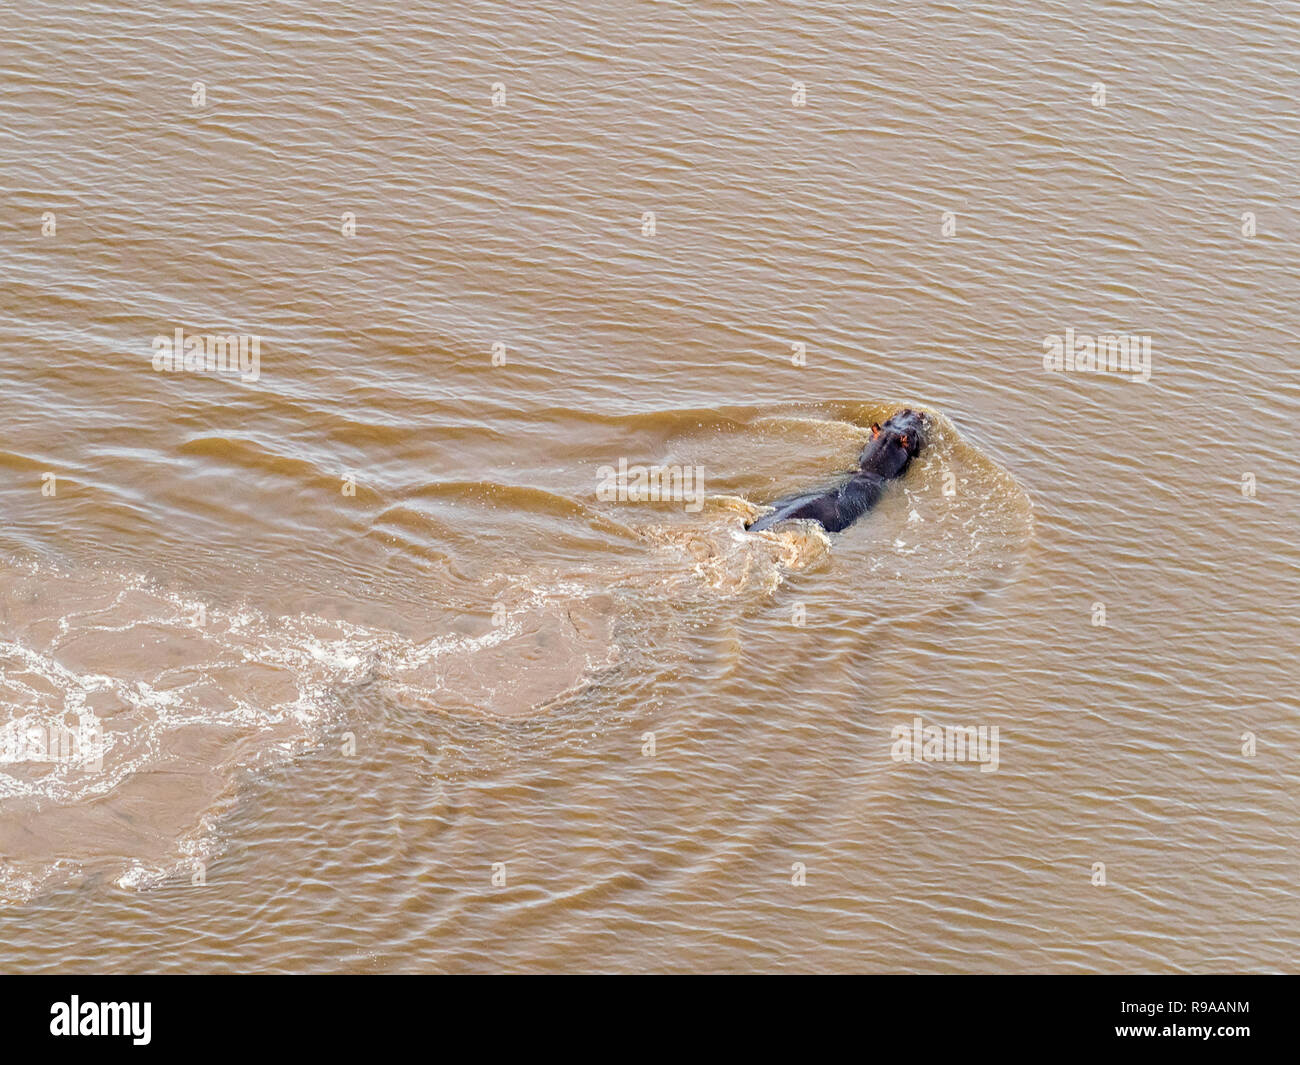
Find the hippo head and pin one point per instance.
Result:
(894, 444)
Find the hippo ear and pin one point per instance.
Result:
(875, 430)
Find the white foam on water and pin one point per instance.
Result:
(167, 679)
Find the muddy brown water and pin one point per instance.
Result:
(370, 677)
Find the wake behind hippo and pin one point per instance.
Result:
(891, 448)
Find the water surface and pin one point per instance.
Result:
(362, 638)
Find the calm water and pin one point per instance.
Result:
(381, 683)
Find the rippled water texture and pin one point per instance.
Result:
(348, 665)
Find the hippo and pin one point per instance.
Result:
(892, 446)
